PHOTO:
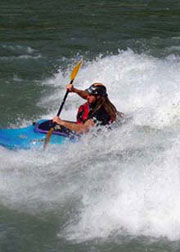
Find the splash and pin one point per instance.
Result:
(121, 181)
(142, 85)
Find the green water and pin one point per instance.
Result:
(37, 38)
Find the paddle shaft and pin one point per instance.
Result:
(62, 104)
(73, 75)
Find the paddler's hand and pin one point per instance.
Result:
(57, 120)
(70, 87)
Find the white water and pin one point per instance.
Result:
(125, 182)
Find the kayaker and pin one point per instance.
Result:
(98, 110)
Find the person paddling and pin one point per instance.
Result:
(98, 110)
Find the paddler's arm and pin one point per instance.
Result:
(80, 92)
(80, 128)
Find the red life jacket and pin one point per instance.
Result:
(82, 114)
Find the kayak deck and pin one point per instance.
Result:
(34, 136)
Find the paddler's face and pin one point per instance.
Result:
(91, 99)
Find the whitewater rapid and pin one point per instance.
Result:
(126, 181)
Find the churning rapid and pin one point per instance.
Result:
(123, 181)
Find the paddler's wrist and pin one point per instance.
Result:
(62, 123)
(57, 120)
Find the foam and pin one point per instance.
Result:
(126, 181)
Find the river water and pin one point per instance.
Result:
(120, 190)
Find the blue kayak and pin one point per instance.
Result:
(34, 136)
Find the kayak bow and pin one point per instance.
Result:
(34, 136)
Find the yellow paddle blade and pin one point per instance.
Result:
(75, 70)
(48, 136)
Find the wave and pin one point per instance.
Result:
(145, 86)
(124, 181)
(18, 48)
(21, 57)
